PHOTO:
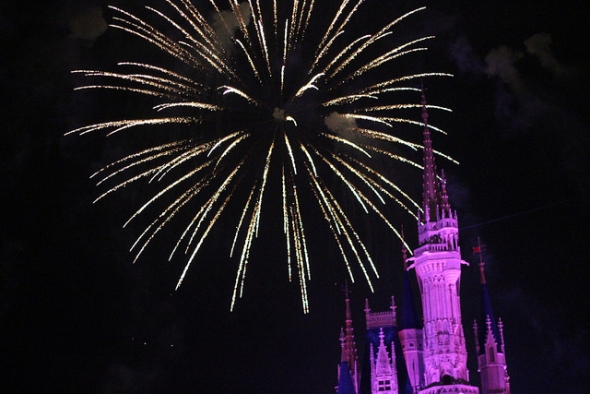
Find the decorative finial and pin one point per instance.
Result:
(429, 186)
(479, 249)
(501, 330)
(343, 352)
(346, 292)
(444, 197)
(423, 102)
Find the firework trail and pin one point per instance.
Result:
(254, 106)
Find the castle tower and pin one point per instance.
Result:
(348, 371)
(410, 334)
(437, 262)
(428, 355)
(489, 343)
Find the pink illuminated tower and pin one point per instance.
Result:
(437, 262)
(406, 354)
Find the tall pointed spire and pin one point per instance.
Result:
(348, 368)
(437, 262)
(349, 344)
(429, 185)
(435, 356)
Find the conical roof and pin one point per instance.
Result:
(345, 384)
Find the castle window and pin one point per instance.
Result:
(384, 385)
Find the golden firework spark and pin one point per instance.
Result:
(263, 86)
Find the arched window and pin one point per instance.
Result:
(491, 354)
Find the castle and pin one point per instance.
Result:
(404, 354)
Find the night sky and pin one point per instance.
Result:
(76, 315)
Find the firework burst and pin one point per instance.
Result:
(256, 104)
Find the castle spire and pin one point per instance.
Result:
(489, 340)
(429, 185)
(437, 262)
(349, 349)
(348, 368)
(486, 304)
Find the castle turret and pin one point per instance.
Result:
(489, 337)
(437, 262)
